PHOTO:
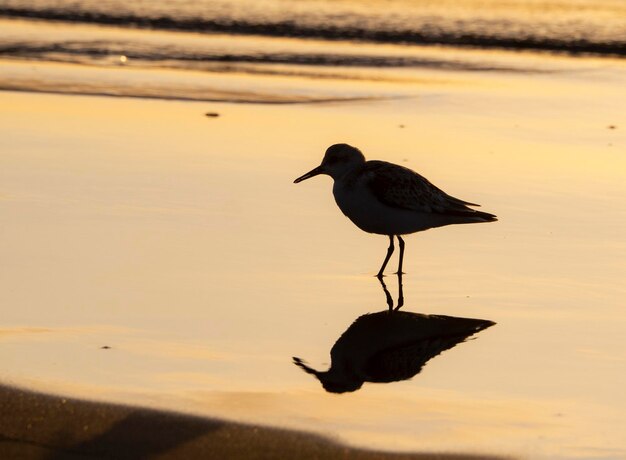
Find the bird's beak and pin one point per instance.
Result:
(311, 173)
(309, 370)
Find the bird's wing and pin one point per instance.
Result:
(400, 187)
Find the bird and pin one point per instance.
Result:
(389, 199)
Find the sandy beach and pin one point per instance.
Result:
(160, 269)
(34, 425)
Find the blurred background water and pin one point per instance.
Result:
(558, 25)
(311, 38)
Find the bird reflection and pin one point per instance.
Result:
(390, 345)
(400, 302)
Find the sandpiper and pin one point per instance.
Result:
(388, 199)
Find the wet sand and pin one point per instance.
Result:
(35, 425)
(179, 242)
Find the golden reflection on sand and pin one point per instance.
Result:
(187, 233)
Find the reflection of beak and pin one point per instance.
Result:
(311, 173)
(298, 362)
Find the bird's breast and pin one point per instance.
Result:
(371, 215)
(361, 207)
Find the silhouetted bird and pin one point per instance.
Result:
(388, 199)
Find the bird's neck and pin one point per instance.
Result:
(345, 175)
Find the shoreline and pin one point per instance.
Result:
(38, 425)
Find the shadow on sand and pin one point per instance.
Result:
(40, 426)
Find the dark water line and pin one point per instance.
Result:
(287, 28)
(96, 50)
(182, 98)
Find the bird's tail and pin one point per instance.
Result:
(468, 216)
(484, 216)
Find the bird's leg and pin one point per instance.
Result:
(387, 294)
(400, 292)
(401, 242)
(389, 252)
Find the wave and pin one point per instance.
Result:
(429, 31)
(150, 83)
(217, 97)
(137, 54)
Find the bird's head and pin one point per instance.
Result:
(338, 160)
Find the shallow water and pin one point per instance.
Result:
(214, 50)
(180, 242)
(556, 25)
(95, 60)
